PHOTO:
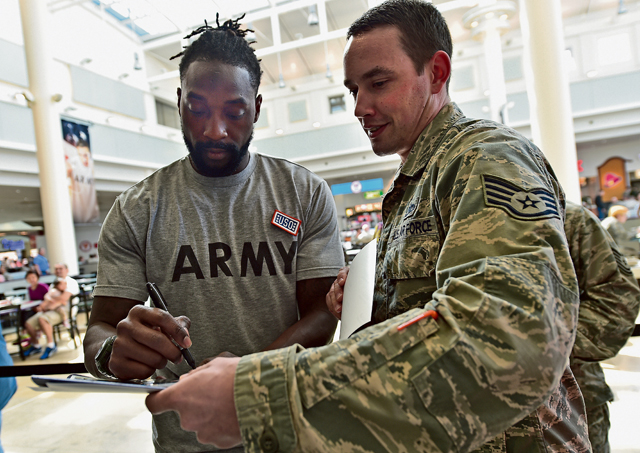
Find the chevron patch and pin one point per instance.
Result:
(534, 204)
(623, 266)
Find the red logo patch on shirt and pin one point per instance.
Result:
(289, 224)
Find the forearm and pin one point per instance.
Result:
(457, 381)
(606, 320)
(315, 329)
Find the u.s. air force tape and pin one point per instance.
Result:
(533, 204)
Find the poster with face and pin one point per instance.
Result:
(79, 165)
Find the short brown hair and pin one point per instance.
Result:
(423, 29)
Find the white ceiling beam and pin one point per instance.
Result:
(270, 50)
(249, 17)
(302, 42)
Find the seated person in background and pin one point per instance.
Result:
(59, 287)
(47, 316)
(2, 277)
(62, 271)
(37, 290)
(614, 224)
(365, 235)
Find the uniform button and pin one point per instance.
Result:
(269, 441)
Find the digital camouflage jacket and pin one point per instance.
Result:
(473, 230)
(609, 301)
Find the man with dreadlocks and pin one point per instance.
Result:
(242, 246)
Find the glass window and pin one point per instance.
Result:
(337, 104)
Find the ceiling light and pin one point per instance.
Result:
(591, 74)
(621, 8)
(328, 74)
(136, 62)
(85, 61)
(312, 19)
(316, 124)
(279, 131)
(25, 95)
(281, 83)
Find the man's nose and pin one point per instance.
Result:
(216, 128)
(363, 106)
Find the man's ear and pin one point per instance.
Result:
(179, 97)
(258, 105)
(440, 68)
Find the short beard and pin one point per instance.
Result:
(197, 152)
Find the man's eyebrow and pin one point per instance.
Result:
(375, 72)
(241, 101)
(198, 97)
(192, 95)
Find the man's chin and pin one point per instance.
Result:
(215, 168)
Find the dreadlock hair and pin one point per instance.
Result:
(423, 30)
(225, 44)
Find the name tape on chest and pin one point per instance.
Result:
(414, 227)
(289, 224)
(534, 204)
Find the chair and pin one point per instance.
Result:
(86, 298)
(74, 305)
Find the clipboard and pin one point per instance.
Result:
(357, 301)
(84, 383)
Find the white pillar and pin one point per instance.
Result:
(497, 86)
(548, 90)
(54, 191)
(487, 21)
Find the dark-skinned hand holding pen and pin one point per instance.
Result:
(143, 342)
(143, 337)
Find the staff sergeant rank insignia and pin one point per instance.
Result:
(289, 224)
(534, 204)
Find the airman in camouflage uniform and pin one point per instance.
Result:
(609, 302)
(614, 224)
(476, 300)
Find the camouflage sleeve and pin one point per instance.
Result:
(609, 295)
(507, 309)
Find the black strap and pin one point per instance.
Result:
(28, 370)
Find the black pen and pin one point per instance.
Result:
(158, 301)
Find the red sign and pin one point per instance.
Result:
(85, 246)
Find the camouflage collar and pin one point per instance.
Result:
(431, 137)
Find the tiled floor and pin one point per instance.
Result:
(54, 422)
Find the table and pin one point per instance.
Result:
(17, 310)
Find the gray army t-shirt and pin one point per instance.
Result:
(210, 245)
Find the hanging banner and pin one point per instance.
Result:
(79, 164)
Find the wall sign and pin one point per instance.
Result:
(357, 186)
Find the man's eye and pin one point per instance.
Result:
(236, 114)
(196, 109)
(379, 83)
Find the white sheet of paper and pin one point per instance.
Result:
(358, 291)
(77, 383)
